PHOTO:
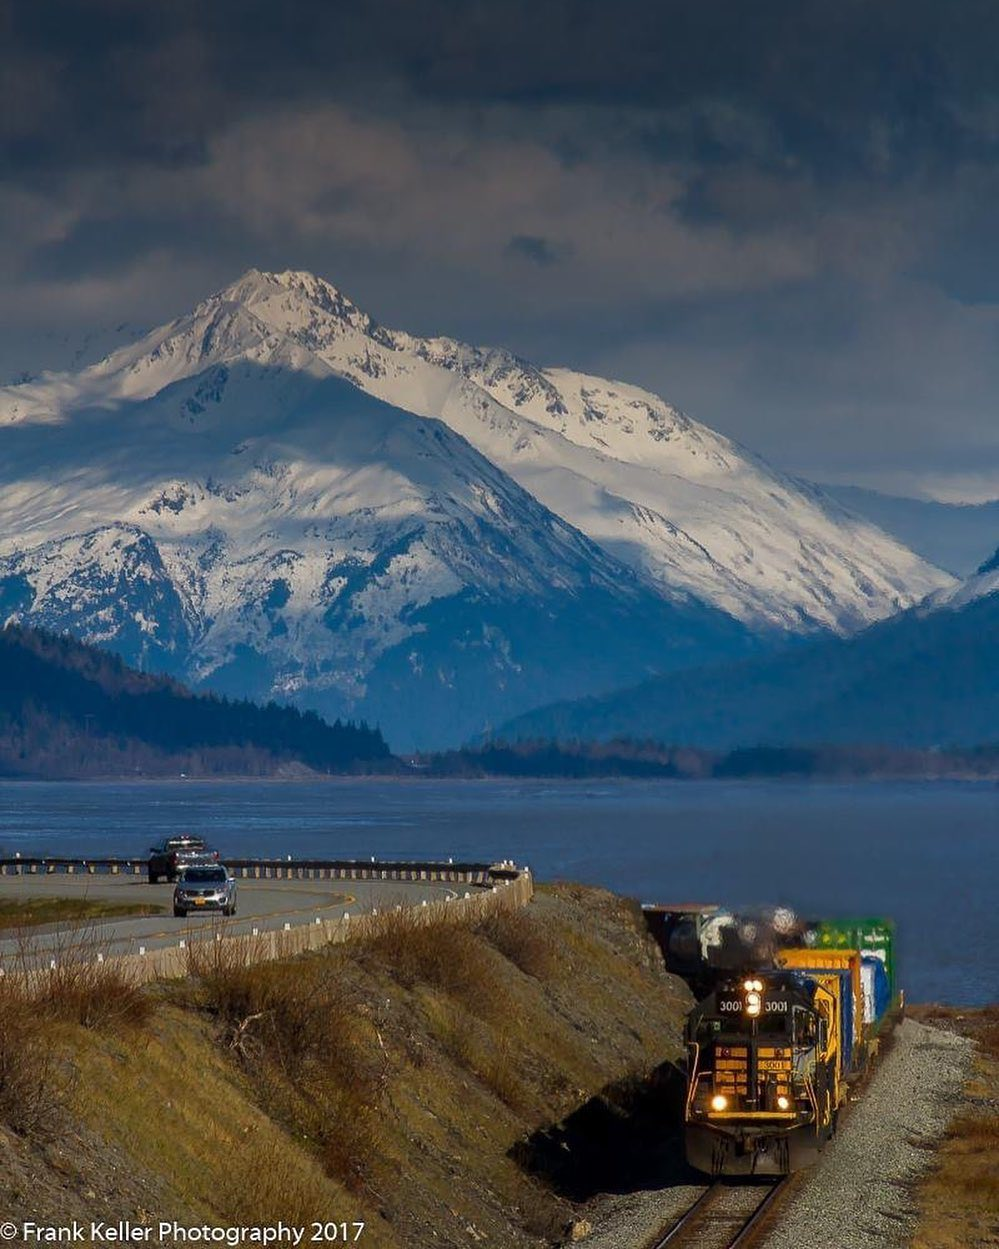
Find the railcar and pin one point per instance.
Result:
(791, 1012)
(771, 1054)
(765, 1073)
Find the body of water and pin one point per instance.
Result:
(926, 854)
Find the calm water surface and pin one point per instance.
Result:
(928, 854)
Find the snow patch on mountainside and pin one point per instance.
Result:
(683, 505)
(982, 584)
(277, 494)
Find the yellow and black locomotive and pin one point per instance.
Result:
(764, 1076)
(791, 1012)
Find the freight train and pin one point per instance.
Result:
(790, 1015)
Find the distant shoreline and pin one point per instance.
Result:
(416, 779)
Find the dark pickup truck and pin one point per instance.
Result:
(168, 858)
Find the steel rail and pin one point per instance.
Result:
(751, 1225)
(701, 1225)
(678, 1228)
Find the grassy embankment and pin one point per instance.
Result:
(30, 912)
(959, 1199)
(396, 1080)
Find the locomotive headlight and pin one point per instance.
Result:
(719, 1101)
(754, 1003)
(783, 1103)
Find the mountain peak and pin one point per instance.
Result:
(687, 510)
(292, 295)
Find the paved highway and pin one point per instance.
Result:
(262, 904)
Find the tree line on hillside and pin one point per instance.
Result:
(627, 757)
(70, 708)
(67, 709)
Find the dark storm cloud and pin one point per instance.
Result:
(861, 85)
(779, 214)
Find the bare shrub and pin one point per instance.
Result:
(221, 977)
(94, 994)
(287, 1012)
(309, 1042)
(33, 1085)
(426, 947)
(522, 938)
(75, 982)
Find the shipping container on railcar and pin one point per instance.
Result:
(848, 964)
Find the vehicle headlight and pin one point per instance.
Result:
(719, 1101)
(783, 1103)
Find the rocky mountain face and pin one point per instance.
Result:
(274, 496)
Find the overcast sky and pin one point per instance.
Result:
(782, 217)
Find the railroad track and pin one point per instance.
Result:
(725, 1216)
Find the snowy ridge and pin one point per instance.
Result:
(275, 494)
(265, 528)
(607, 457)
(980, 585)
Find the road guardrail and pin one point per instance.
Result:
(503, 886)
(277, 869)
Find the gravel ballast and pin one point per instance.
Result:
(860, 1194)
(632, 1221)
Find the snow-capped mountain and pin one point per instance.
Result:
(274, 494)
(264, 528)
(680, 503)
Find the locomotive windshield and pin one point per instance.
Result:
(797, 1023)
(741, 1025)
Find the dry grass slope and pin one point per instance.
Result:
(34, 1009)
(959, 1201)
(391, 1079)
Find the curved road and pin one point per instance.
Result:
(262, 904)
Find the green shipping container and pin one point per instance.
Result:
(869, 936)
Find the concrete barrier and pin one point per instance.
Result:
(271, 944)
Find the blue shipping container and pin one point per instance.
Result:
(877, 988)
